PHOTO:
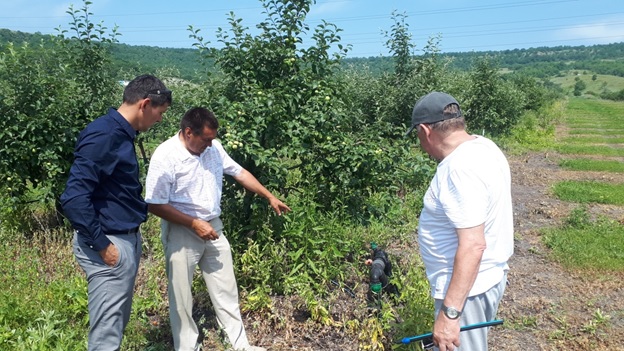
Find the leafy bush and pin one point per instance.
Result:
(616, 96)
(579, 86)
(492, 106)
(48, 96)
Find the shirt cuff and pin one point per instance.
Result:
(100, 243)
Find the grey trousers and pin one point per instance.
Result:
(184, 251)
(478, 309)
(110, 289)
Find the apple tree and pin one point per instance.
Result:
(48, 93)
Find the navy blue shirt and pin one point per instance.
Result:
(103, 193)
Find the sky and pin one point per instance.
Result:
(460, 25)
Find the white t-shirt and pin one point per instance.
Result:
(192, 184)
(472, 185)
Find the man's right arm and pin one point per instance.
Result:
(76, 200)
(84, 178)
(169, 213)
(465, 269)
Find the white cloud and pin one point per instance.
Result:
(604, 31)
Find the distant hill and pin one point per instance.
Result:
(605, 59)
(141, 59)
(129, 59)
(540, 62)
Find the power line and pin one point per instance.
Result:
(358, 18)
(452, 31)
(137, 14)
(454, 10)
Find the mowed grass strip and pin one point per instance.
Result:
(590, 192)
(602, 150)
(604, 132)
(582, 243)
(599, 113)
(586, 164)
(595, 139)
(595, 119)
(595, 125)
(596, 246)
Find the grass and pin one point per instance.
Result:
(591, 245)
(582, 242)
(585, 164)
(602, 139)
(596, 119)
(595, 124)
(597, 111)
(53, 317)
(534, 131)
(600, 123)
(600, 150)
(590, 192)
(602, 132)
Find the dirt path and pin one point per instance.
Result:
(547, 307)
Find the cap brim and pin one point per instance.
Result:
(410, 130)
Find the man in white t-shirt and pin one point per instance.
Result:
(183, 188)
(465, 230)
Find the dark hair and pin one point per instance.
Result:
(144, 86)
(197, 118)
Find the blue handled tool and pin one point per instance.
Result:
(408, 339)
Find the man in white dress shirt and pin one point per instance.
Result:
(183, 188)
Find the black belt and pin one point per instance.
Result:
(131, 231)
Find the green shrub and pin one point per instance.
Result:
(492, 106)
(48, 95)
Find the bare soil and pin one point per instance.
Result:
(545, 307)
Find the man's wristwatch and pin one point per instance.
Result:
(451, 312)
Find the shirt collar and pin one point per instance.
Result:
(123, 123)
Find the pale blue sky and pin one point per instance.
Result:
(463, 25)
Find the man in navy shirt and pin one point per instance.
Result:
(104, 204)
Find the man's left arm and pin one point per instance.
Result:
(465, 269)
(249, 182)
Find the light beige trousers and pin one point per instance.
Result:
(184, 251)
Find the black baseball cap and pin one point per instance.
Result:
(430, 109)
